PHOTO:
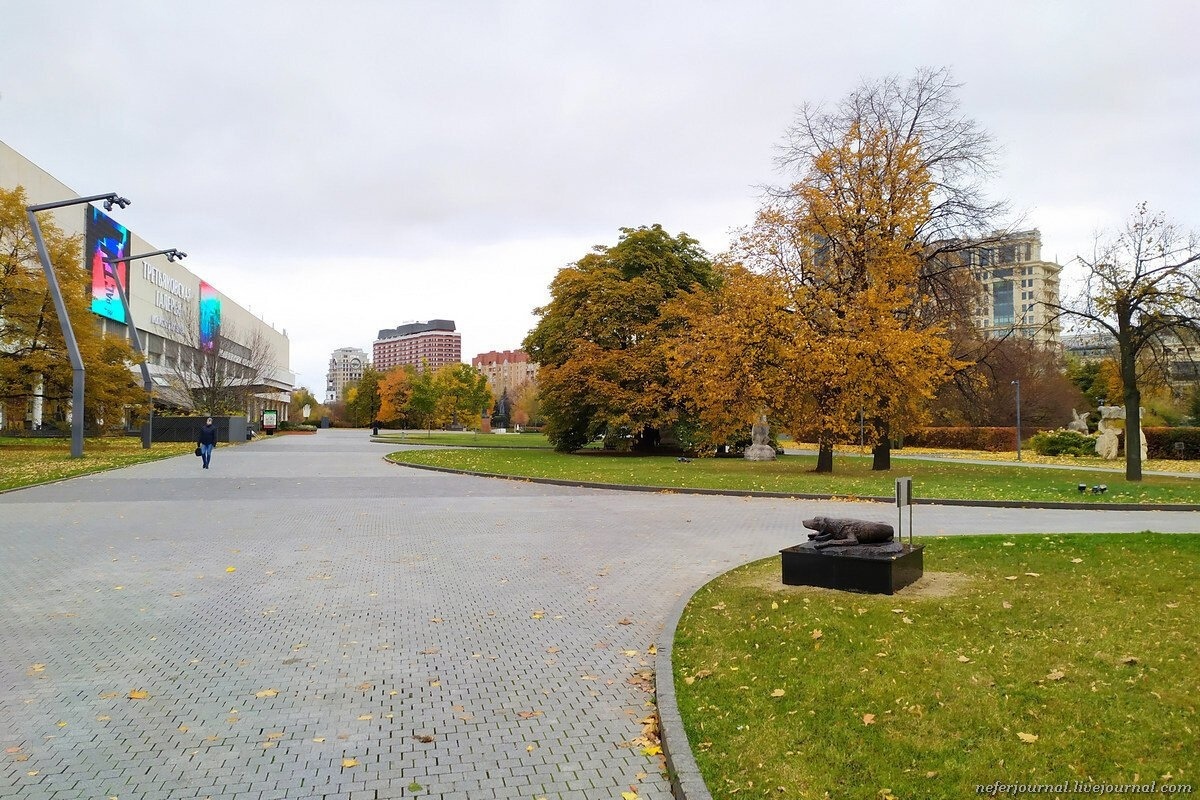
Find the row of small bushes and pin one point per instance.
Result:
(993, 440)
(1160, 442)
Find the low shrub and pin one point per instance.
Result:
(1063, 442)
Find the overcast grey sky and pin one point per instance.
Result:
(344, 167)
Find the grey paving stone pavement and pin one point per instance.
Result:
(309, 621)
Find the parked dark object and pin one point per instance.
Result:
(186, 429)
(873, 569)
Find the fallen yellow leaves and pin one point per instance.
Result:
(778, 693)
(1028, 738)
(539, 614)
(868, 719)
(347, 763)
(529, 714)
(817, 634)
(227, 569)
(267, 693)
(138, 694)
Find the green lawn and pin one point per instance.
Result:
(25, 462)
(1054, 659)
(852, 476)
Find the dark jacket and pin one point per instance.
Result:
(208, 435)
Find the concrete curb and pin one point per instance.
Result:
(930, 501)
(686, 780)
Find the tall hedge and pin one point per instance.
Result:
(1160, 442)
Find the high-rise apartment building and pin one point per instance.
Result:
(429, 344)
(1015, 286)
(505, 370)
(346, 366)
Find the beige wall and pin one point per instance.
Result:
(163, 296)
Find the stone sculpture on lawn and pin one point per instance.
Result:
(760, 448)
(1110, 428)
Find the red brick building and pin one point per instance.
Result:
(434, 344)
(505, 369)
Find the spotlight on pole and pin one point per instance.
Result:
(172, 254)
(77, 366)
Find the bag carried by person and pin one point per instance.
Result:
(198, 451)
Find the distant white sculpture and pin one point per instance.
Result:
(760, 436)
(1078, 422)
(1110, 428)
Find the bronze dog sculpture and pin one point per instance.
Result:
(837, 532)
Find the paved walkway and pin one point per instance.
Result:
(308, 621)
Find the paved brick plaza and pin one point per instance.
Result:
(459, 634)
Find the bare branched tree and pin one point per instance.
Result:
(955, 152)
(220, 373)
(1142, 288)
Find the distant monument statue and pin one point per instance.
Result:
(1110, 428)
(760, 448)
(1078, 422)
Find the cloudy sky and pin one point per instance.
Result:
(341, 167)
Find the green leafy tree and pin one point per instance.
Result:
(301, 397)
(423, 403)
(600, 340)
(363, 407)
(33, 352)
(462, 395)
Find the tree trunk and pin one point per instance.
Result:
(1133, 410)
(825, 457)
(1133, 437)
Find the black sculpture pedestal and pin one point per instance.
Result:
(872, 569)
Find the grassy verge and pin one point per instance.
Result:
(25, 462)
(1051, 659)
(793, 475)
(501, 440)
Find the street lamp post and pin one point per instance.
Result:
(172, 255)
(1018, 385)
(77, 369)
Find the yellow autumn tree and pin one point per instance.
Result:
(33, 353)
(395, 390)
(842, 246)
(731, 357)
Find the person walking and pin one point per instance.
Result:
(207, 441)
